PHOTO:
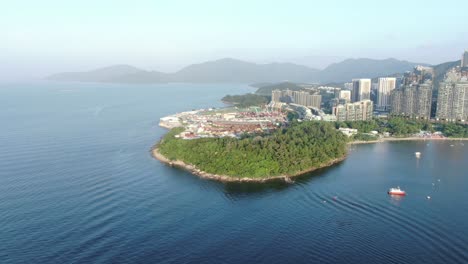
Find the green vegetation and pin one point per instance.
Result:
(454, 130)
(292, 116)
(401, 127)
(364, 137)
(246, 100)
(287, 151)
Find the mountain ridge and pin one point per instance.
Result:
(229, 70)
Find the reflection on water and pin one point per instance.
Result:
(396, 199)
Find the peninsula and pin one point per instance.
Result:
(286, 152)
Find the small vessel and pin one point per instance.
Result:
(288, 180)
(396, 191)
(417, 154)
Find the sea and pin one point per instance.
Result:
(78, 185)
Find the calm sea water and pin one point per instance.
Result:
(78, 185)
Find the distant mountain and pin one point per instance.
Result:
(231, 70)
(441, 69)
(236, 71)
(107, 74)
(222, 71)
(363, 68)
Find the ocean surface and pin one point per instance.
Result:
(78, 185)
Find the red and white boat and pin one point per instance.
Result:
(396, 191)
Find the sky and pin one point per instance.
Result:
(38, 38)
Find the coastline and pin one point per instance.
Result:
(403, 139)
(224, 178)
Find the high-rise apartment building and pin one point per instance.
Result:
(452, 102)
(412, 101)
(357, 111)
(414, 98)
(385, 87)
(345, 95)
(464, 60)
(276, 96)
(361, 90)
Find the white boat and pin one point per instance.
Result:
(396, 191)
(417, 154)
(288, 180)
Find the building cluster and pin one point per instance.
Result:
(354, 104)
(414, 98)
(410, 95)
(223, 123)
(308, 98)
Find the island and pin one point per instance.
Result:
(266, 152)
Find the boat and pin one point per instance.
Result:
(396, 191)
(417, 154)
(288, 180)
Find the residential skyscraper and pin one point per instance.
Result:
(452, 102)
(276, 96)
(464, 60)
(385, 87)
(414, 98)
(361, 90)
(412, 101)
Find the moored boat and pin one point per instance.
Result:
(396, 191)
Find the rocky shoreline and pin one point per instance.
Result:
(224, 178)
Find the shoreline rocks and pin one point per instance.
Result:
(224, 178)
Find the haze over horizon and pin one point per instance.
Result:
(41, 38)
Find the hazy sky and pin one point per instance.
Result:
(41, 37)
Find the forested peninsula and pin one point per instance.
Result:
(290, 151)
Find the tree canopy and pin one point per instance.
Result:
(287, 151)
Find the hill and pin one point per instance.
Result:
(231, 70)
(114, 73)
(219, 71)
(266, 90)
(349, 69)
(441, 69)
(237, 71)
(291, 151)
